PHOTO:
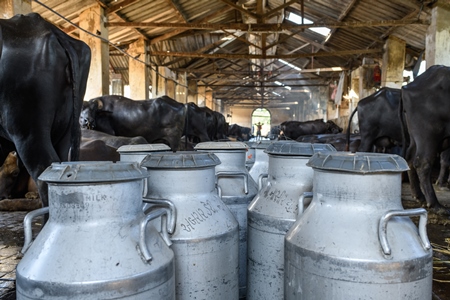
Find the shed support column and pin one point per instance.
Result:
(209, 100)
(10, 8)
(92, 20)
(438, 36)
(138, 71)
(163, 83)
(393, 63)
(192, 91)
(116, 84)
(201, 96)
(181, 88)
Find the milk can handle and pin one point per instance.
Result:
(28, 228)
(171, 213)
(260, 179)
(382, 227)
(219, 190)
(234, 174)
(301, 202)
(160, 212)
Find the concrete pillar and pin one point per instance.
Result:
(163, 82)
(10, 8)
(209, 100)
(393, 63)
(181, 88)
(138, 70)
(92, 20)
(438, 35)
(116, 84)
(192, 91)
(201, 95)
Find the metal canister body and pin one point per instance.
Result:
(206, 238)
(355, 240)
(97, 243)
(250, 156)
(237, 191)
(272, 213)
(261, 164)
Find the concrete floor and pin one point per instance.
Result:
(11, 241)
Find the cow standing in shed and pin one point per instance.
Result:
(159, 120)
(425, 108)
(43, 76)
(292, 130)
(379, 123)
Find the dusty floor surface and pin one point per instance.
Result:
(438, 228)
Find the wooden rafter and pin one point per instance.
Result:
(269, 27)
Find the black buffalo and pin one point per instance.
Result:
(292, 130)
(43, 76)
(379, 123)
(159, 120)
(338, 141)
(203, 124)
(196, 125)
(240, 133)
(425, 114)
(111, 140)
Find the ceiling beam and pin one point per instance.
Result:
(259, 56)
(259, 86)
(269, 27)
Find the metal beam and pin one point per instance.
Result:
(259, 56)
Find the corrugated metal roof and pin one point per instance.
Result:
(225, 65)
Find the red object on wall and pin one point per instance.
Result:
(377, 74)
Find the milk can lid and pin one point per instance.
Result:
(180, 160)
(292, 148)
(221, 146)
(93, 171)
(143, 148)
(261, 144)
(359, 162)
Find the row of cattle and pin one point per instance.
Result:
(159, 120)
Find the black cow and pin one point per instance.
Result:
(425, 108)
(97, 150)
(338, 141)
(196, 124)
(111, 140)
(240, 133)
(222, 127)
(294, 129)
(379, 123)
(43, 75)
(159, 120)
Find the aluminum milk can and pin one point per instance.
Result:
(97, 243)
(138, 152)
(206, 238)
(261, 164)
(237, 190)
(250, 156)
(272, 213)
(355, 240)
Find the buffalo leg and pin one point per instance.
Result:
(414, 181)
(442, 181)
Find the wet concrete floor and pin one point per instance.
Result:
(438, 229)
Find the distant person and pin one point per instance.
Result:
(258, 130)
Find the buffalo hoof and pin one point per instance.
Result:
(440, 210)
(443, 187)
